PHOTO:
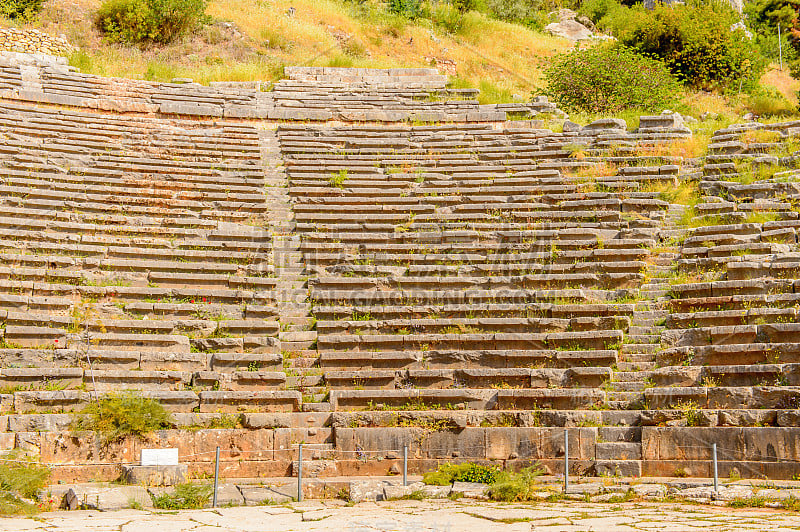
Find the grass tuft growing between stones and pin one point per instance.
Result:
(446, 474)
(187, 496)
(505, 486)
(519, 486)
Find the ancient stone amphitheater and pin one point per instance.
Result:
(361, 260)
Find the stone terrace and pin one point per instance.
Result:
(403, 270)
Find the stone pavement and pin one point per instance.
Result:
(418, 516)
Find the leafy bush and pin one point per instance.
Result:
(187, 496)
(116, 416)
(149, 21)
(609, 78)
(20, 9)
(516, 487)
(696, 43)
(446, 474)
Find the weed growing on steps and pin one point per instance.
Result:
(120, 415)
(20, 479)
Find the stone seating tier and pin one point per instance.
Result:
(353, 285)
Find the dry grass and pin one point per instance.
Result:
(601, 169)
(253, 39)
(782, 81)
(758, 136)
(684, 193)
(696, 146)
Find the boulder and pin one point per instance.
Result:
(605, 124)
(569, 29)
(164, 475)
(368, 490)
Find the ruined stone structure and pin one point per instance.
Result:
(32, 41)
(366, 260)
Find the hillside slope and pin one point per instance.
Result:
(253, 39)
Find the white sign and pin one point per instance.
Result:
(159, 457)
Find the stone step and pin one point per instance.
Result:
(303, 363)
(630, 376)
(618, 468)
(653, 294)
(640, 348)
(652, 314)
(620, 386)
(618, 451)
(635, 366)
(641, 339)
(294, 346)
(638, 357)
(635, 330)
(623, 397)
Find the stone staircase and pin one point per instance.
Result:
(297, 336)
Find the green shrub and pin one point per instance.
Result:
(516, 487)
(20, 478)
(530, 13)
(187, 496)
(462, 6)
(696, 43)
(610, 15)
(407, 8)
(609, 78)
(20, 9)
(505, 486)
(149, 21)
(116, 416)
(446, 474)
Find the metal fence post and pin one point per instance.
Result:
(405, 465)
(566, 460)
(300, 473)
(216, 479)
(714, 458)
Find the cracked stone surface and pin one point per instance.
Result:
(418, 516)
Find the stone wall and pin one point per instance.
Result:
(33, 42)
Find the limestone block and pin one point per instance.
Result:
(155, 475)
(106, 498)
(472, 490)
(258, 495)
